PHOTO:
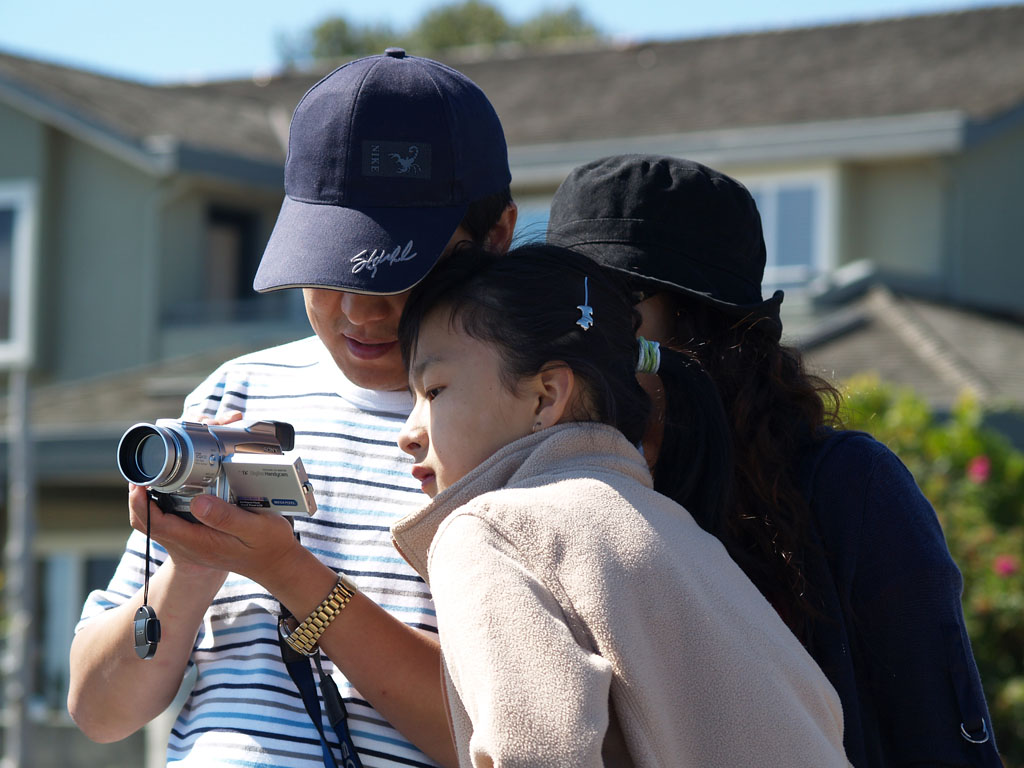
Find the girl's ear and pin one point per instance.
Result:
(556, 392)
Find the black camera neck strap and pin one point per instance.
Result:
(301, 672)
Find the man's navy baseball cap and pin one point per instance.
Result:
(385, 155)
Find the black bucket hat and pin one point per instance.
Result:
(670, 224)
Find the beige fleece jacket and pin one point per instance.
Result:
(586, 620)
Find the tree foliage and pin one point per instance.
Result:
(447, 26)
(549, 26)
(336, 38)
(471, 22)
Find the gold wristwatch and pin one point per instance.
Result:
(304, 638)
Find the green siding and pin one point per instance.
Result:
(22, 146)
(101, 282)
(183, 247)
(894, 217)
(986, 249)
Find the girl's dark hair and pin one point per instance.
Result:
(526, 303)
(775, 411)
(697, 476)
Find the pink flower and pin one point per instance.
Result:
(978, 469)
(1005, 565)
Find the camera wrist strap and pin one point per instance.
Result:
(145, 625)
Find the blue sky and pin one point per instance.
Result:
(203, 39)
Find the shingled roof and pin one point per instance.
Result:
(145, 119)
(969, 62)
(937, 349)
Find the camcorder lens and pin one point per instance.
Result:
(143, 455)
(150, 456)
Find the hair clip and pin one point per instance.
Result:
(649, 358)
(586, 311)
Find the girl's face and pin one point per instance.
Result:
(463, 412)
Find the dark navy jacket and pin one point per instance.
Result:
(892, 638)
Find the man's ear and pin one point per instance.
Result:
(499, 239)
(556, 393)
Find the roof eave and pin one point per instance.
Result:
(981, 131)
(159, 156)
(231, 167)
(928, 133)
(88, 131)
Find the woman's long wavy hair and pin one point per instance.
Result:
(775, 409)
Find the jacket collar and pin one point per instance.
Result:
(575, 448)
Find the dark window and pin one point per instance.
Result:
(233, 249)
(232, 255)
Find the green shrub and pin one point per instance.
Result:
(975, 480)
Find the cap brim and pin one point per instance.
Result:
(363, 250)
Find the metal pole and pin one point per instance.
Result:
(19, 572)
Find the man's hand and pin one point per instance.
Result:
(227, 538)
(229, 417)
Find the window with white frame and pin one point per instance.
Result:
(17, 226)
(797, 211)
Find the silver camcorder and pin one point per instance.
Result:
(242, 463)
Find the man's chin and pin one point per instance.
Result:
(382, 375)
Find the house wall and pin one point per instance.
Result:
(98, 286)
(986, 248)
(23, 149)
(120, 248)
(23, 159)
(184, 230)
(123, 249)
(893, 216)
(269, 319)
(184, 246)
(86, 509)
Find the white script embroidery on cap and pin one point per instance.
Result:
(371, 259)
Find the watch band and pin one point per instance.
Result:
(304, 638)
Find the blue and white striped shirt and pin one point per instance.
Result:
(244, 711)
